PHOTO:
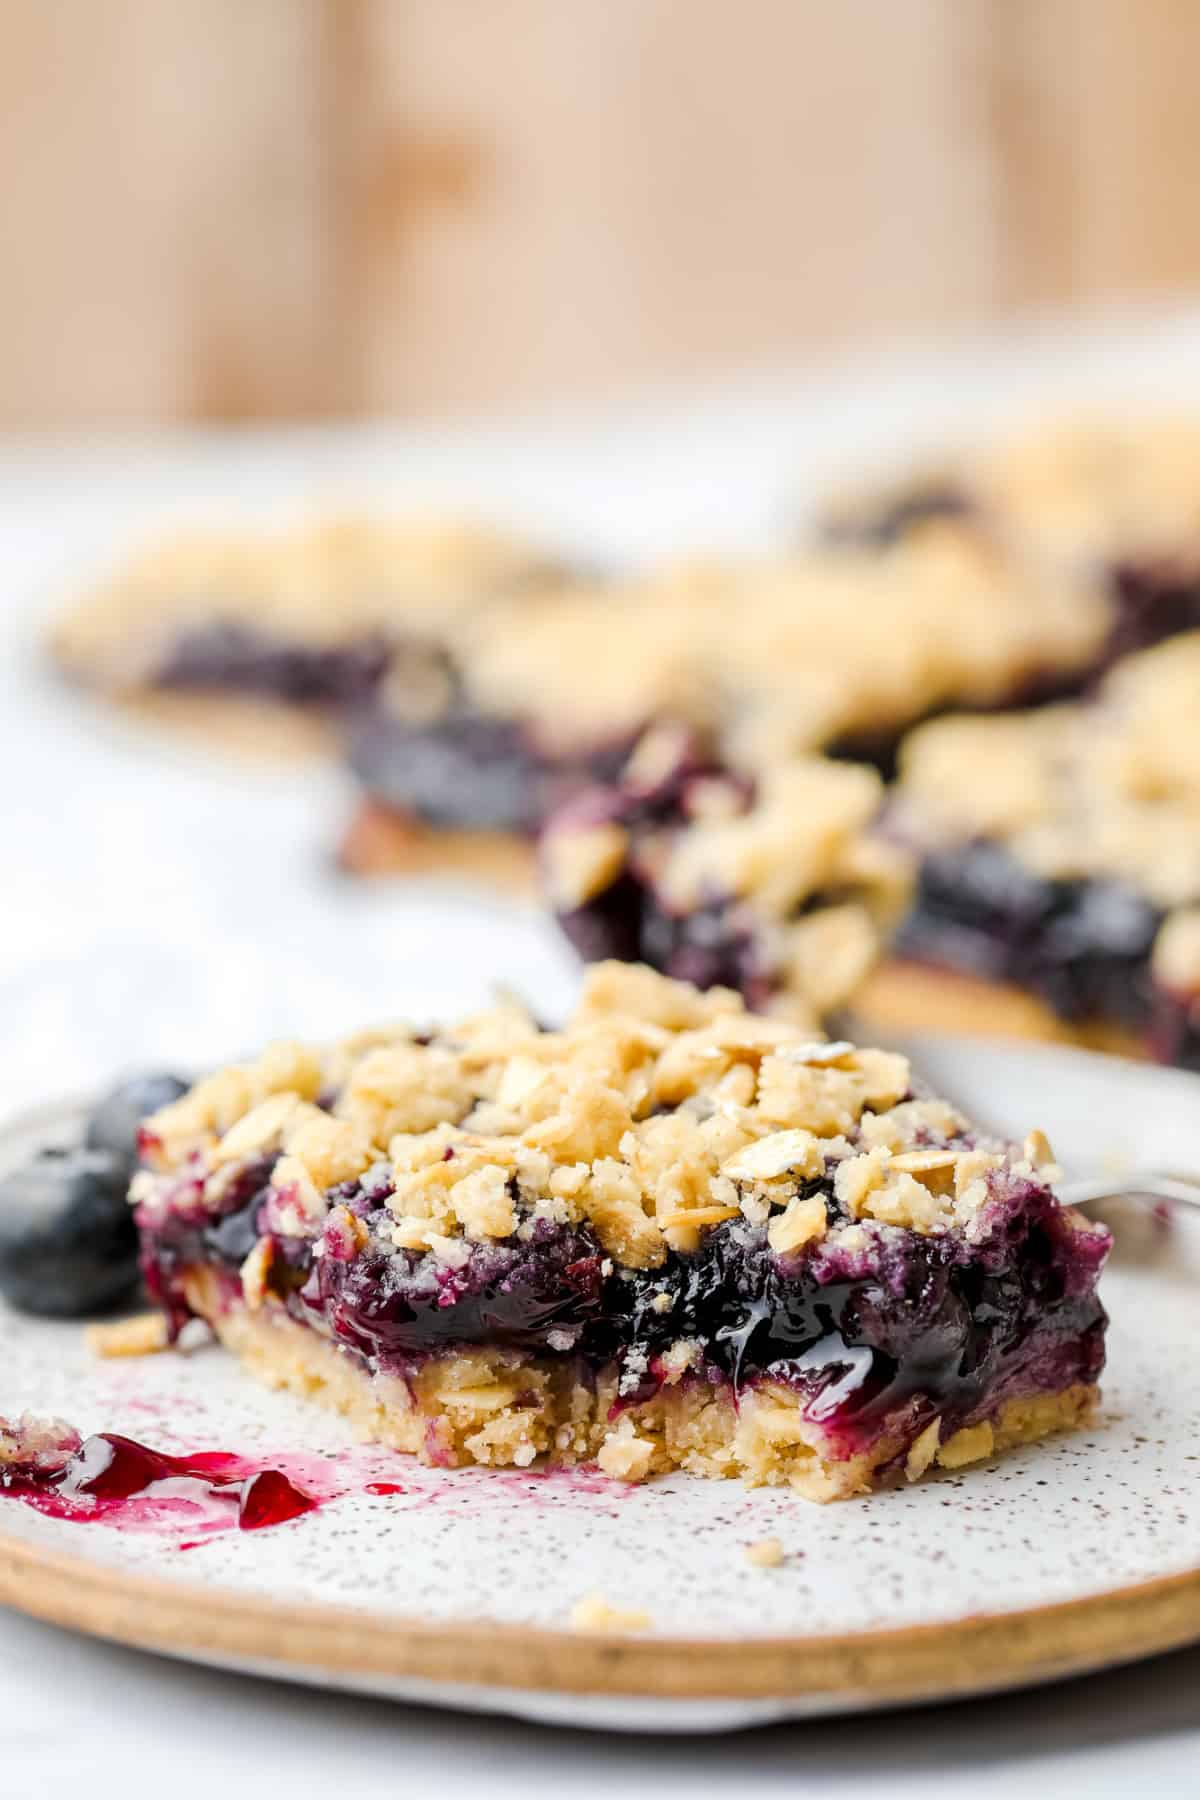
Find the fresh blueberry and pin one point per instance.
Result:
(68, 1245)
(113, 1124)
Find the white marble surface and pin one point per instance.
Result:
(127, 867)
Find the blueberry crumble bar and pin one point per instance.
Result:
(1061, 858)
(769, 659)
(777, 888)
(1116, 503)
(527, 712)
(1100, 492)
(308, 619)
(846, 651)
(673, 1235)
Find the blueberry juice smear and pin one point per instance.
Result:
(118, 1481)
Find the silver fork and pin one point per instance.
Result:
(1138, 1184)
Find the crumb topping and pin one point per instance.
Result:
(923, 1190)
(656, 1115)
(594, 665)
(322, 583)
(593, 1613)
(1176, 958)
(827, 645)
(801, 835)
(1108, 789)
(36, 1445)
(795, 868)
(145, 1334)
(1095, 489)
(1076, 493)
(766, 1553)
(835, 645)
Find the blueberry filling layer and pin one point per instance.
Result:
(1082, 946)
(857, 1333)
(239, 659)
(1153, 601)
(466, 770)
(712, 945)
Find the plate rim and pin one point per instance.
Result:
(948, 1659)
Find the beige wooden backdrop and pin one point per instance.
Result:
(229, 209)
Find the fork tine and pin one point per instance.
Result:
(1138, 1183)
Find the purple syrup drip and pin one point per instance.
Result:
(108, 1474)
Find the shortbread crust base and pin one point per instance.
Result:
(507, 1409)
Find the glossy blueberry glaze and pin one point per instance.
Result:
(862, 1333)
(517, 1294)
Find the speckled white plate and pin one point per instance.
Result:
(1071, 1555)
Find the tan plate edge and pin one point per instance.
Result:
(971, 1655)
